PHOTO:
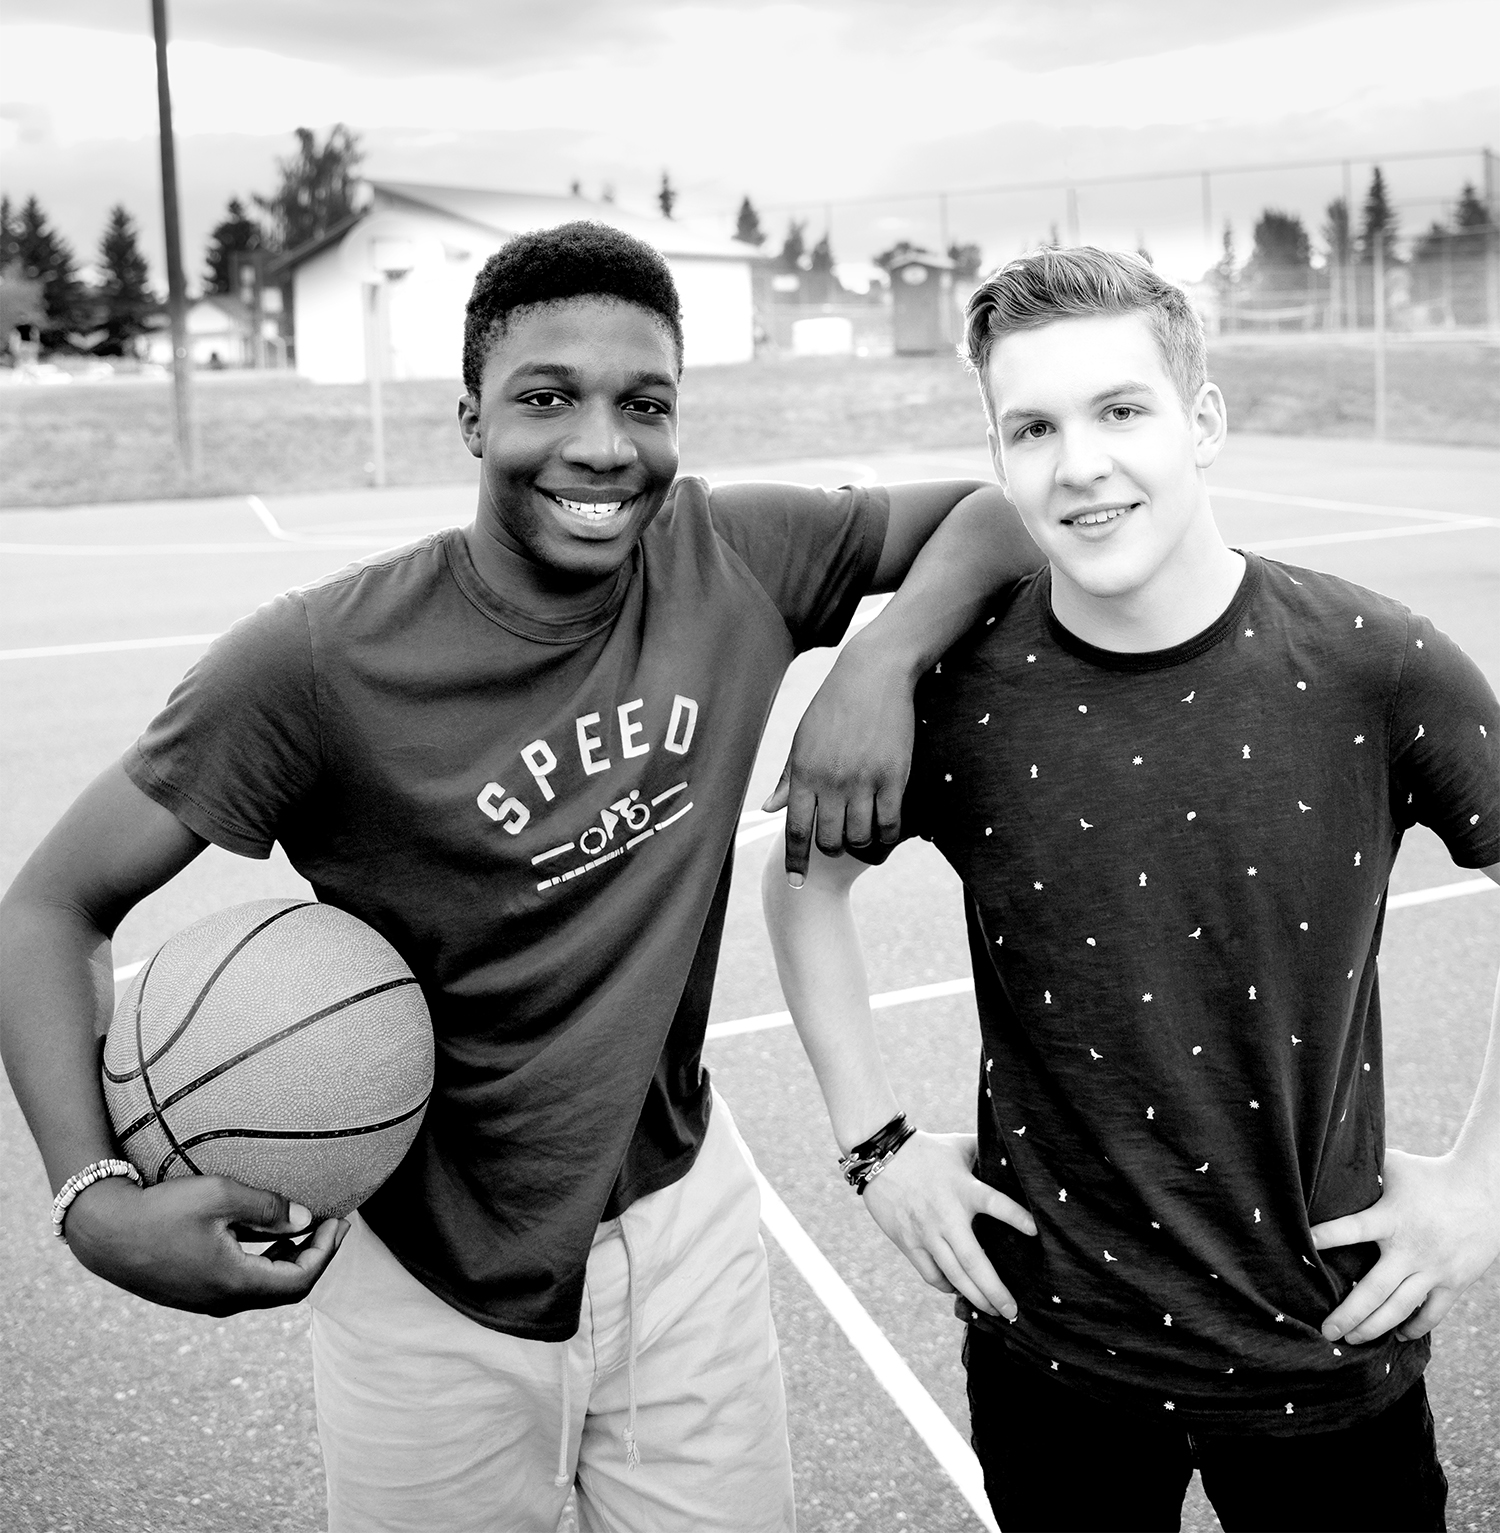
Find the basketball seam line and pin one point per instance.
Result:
(265, 1133)
(242, 1056)
(198, 999)
(140, 1054)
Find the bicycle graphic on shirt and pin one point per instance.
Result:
(631, 810)
(622, 826)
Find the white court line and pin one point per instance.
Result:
(947, 987)
(1358, 507)
(106, 646)
(1371, 536)
(944, 1441)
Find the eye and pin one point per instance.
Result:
(1033, 431)
(545, 399)
(1122, 413)
(647, 406)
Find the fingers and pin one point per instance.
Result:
(1403, 1301)
(857, 819)
(254, 1207)
(1437, 1304)
(778, 796)
(971, 1273)
(989, 1200)
(888, 798)
(1353, 1229)
(801, 816)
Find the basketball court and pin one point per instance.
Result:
(118, 1415)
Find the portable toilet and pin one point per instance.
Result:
(923, 315)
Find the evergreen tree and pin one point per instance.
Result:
(1337, 236)
(747, 227)
(10, 234)
(792, 248)
(1281, 243)
(1377, 222)
(124, 294)
(317, 187)
(1225, 274)
(666, 197)
(235, 234)
(967, 259)
(821, 257)
(45, 256)
(888, 258)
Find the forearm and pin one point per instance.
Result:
(56, 994)
(822, 969)
(980, 547)
(1478, 1142)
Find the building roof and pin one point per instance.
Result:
(512, 213)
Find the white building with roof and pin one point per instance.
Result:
(391, 282)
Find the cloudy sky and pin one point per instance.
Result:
(805, 107)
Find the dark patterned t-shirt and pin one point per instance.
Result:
(1175, 872)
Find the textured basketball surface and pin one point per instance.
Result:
(281, 1043)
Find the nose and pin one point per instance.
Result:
(1081, 459)
(599, 442)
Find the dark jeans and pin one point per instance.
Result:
(1054, 1458)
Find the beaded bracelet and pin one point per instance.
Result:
(867, 1160)
(98, 1172)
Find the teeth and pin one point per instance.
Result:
(598, 509)
(1096, 518)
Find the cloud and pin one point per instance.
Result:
(508, 37)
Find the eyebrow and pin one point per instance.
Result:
(563, 373)
(1129, 386)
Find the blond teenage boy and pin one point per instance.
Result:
(1173, 778)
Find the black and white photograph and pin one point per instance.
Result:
(749, 766)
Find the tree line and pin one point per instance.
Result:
(1444, 268)
(45, 295)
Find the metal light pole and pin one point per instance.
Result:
(182, 363)
(1379, 274)
(373, 293)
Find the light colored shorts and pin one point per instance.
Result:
(666, 1409)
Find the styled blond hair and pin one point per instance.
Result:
(1077, 283)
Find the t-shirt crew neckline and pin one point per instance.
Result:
(1158, 659)
(524, 621)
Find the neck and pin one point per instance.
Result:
(1184, 596)
(516, 577)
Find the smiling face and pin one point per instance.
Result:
(1102, 459)
(576, 428)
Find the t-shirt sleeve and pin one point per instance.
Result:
(235, 753)
(1445, 747)
(814, 551)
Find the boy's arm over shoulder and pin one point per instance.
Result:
(850, 757)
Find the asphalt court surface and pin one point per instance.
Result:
(116, 1414)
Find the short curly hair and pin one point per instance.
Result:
(577, 260)
(1048, 285)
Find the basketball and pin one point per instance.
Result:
(282, 1043)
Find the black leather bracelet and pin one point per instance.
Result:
(867, 1160)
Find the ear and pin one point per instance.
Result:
(468, 424)
(993, 438)
(1209, 420)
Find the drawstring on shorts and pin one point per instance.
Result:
(632, 1453)
(562, 1477)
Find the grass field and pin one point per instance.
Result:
(89, 443)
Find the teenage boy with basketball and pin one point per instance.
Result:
(518, 750)
(1174, 857)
